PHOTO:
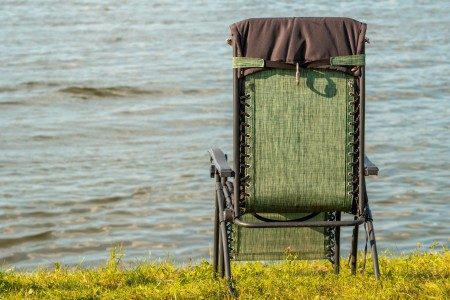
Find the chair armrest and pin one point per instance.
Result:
(219, 161)
(369, 167)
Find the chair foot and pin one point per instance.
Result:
(231, 290)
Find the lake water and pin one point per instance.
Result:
(107, 110)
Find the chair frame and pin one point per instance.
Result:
(228, 212)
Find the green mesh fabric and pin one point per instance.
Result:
(278, 243)
(298, 159)
(298, 141)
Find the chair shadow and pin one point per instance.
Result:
(330, 88)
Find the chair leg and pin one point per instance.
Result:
(221, 260)
(226, 270)
(371, 232)
(216, 237)
(354, 249)
(373, 246)
(224, 250)
(337, 249)
(224, 238)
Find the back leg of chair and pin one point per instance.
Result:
(337, 244)
(354, 249)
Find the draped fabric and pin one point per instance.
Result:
(299, 40)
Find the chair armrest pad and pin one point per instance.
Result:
(369, 167)
(219, 160)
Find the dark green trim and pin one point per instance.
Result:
(251, 62)
(349, 60)
(248, 62)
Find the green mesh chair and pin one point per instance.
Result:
(298, 143)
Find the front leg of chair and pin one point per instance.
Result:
(216, 256)
(226, 270)
(371, 233)
(373, 244)
(221, 259)
(218, 260)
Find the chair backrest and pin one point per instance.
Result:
(299, 137)
(298, 127)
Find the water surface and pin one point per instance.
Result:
(107, 111)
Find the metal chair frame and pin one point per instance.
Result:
(228, 210)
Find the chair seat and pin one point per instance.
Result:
(279, 243)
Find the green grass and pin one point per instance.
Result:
(414, 276)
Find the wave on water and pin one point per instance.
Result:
(123, 91)
(7, 89)
(101, 92)
(28, 85)
(106, 200)
(89, 92)
(8, 242)
(33, 84)
(11, 103)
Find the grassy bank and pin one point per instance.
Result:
(416, 276)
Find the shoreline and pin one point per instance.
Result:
(417, 275)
